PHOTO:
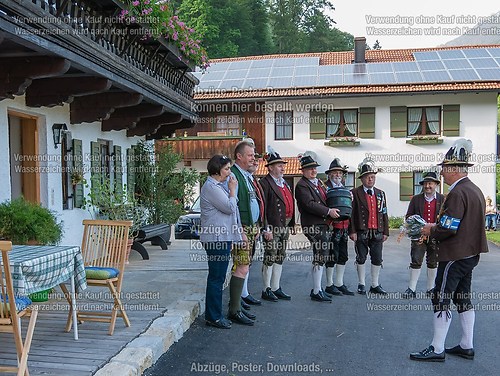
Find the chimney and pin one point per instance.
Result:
(359, 49)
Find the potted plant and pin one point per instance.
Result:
(160, 186)
(24, 222)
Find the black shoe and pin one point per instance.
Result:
(221, 323)
(428, 355)
(332, 290)
(251, 316)
(240, 318)
(249, 299)
(269, 295)
(244, 305)
(378, 290)
(320, 296)
(344, 290)
(463, 353)
(281, 295)
(361, 289)
(409, 294)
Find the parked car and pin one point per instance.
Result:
(188, 225)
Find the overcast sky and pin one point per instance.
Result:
(362, 18)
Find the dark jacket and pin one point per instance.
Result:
(274, 202)
(312, 207)
(460, 229)
(417, 205)
(243, 198)
(360, 214)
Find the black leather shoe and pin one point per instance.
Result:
(320, 296)
(251, 316)
(281, 295)
(332, 290)
(361, 289)
(249, 299)
(221, 323)
(463, 353)
(344, 290)
(378, 290)
(269, 295)
(240, 318)
(428, 355)
(409, 294)
(244, 305)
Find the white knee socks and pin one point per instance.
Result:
(467, 319)
(329, 276)
(442, 321)
(339, 277)
(317, 273)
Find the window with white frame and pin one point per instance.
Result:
(424, 121)
(230, 124)
(350, 180)
(342, 123)
(283, 125)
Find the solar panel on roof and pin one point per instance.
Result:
(436, 75)
(407, 66)
(305, 81)
(430, 65)
(242, 64)
(494, 51)
(259, 72)
(218, 66)
(280, 82)
(484, 63)
(232, 74)
(489, 74)
(255, 83)
(281, 71)
(306, 71)
(457, 64)
(451, 54)
(287, 62)
(428, 55)
(307, 61)
(407, 77)
(230, 84)
(333, 80)
(463, 74)
(263, 63)
(379, 67)
(330, 69)
(476, 52)
(354, 68)
(356, 79)
(382, 78)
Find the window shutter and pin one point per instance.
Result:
(399, 123)
(451, 120)
(130, 171)
(317, 125)
(95, 160)
(405, 186)
(367, 122)
(77, 154)
(118, 183)
(357, 180)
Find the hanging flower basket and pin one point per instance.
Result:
(424, 140)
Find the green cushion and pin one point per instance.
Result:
(95, 272)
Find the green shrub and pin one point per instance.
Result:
(22, 221)
(396, 222)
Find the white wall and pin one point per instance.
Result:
(50, 182)
(478, 116)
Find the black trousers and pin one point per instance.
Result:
(338, 250)
(369, 242)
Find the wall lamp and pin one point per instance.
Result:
(57, 132)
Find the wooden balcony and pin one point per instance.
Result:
(202, 147)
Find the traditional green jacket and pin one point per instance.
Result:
(243, 197)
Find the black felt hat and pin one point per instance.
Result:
(458, 154)
(272, 157)
(307, 161)
(336, 165)
(429, 176)
(366, 167)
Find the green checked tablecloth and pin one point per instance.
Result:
(38, 268)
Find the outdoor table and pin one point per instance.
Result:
(38, 268)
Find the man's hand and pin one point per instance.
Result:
(426, 230)
(384, 238)
(353, 236)
(268, 235)
(334, 212)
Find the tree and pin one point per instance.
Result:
(376, 45)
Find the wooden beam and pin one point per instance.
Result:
(55, 91)
(167, 130)
(97, 107)
(150, 125)
(17, 73)
(127, 117)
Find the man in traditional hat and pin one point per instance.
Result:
(278, 223)
(369, 226)
(336, 177)
(315, 219)
(461, 237)
(427, 205)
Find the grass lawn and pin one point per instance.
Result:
(493, 236)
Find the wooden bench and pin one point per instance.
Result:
(156, 234)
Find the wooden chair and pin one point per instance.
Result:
(12, 309)
(104, 251)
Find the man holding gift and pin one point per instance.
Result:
(461, 237)
(369, 226)
(426, 205)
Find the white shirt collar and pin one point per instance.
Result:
(454, 184)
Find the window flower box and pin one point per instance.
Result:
(342, 141)
(424, 140)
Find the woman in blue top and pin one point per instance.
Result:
(219, 228)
